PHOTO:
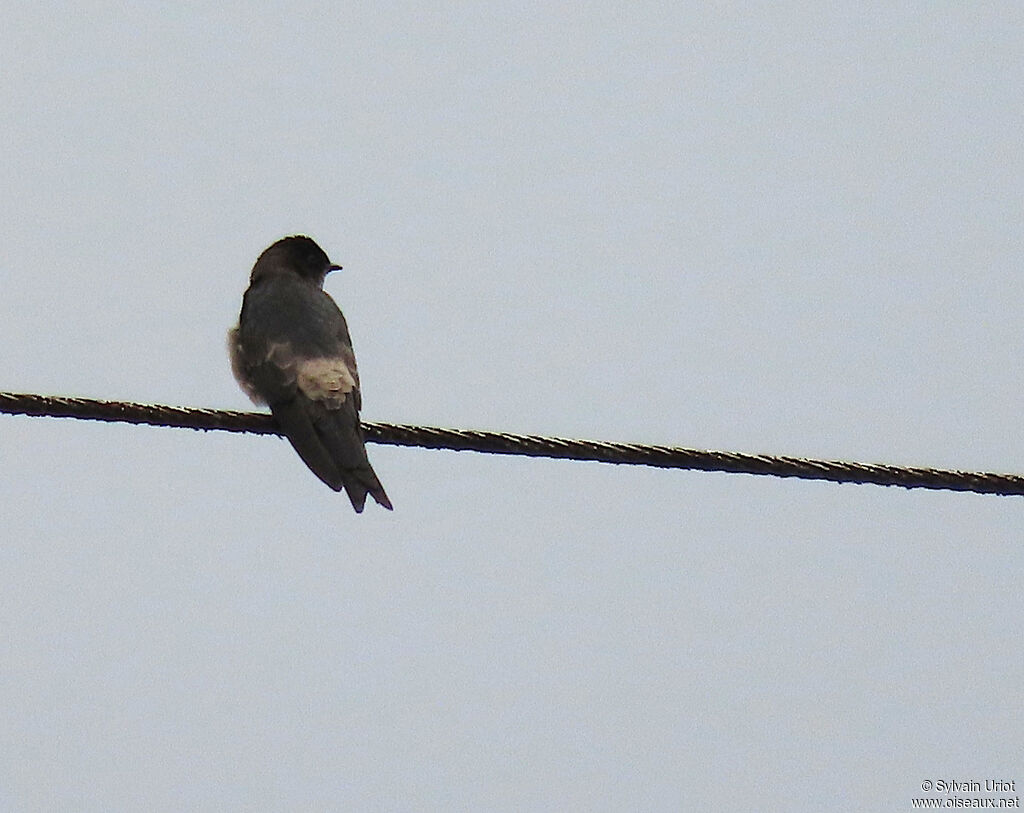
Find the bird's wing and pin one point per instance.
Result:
(282, 378)
(316, 402)
(330, 387)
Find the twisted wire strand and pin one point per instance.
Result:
(428, 437)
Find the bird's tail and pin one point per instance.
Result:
(361, 481)
(339, 432)
(293, 418)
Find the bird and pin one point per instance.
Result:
(291, 351)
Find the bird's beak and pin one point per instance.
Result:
(333, 268)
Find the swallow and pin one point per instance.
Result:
(291, 350)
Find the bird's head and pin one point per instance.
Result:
(298, 255)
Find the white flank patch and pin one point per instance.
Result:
(325, 380)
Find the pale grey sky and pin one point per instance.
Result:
(789, 228)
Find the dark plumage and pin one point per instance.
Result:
(291, 350)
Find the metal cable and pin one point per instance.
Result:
(666, 457)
